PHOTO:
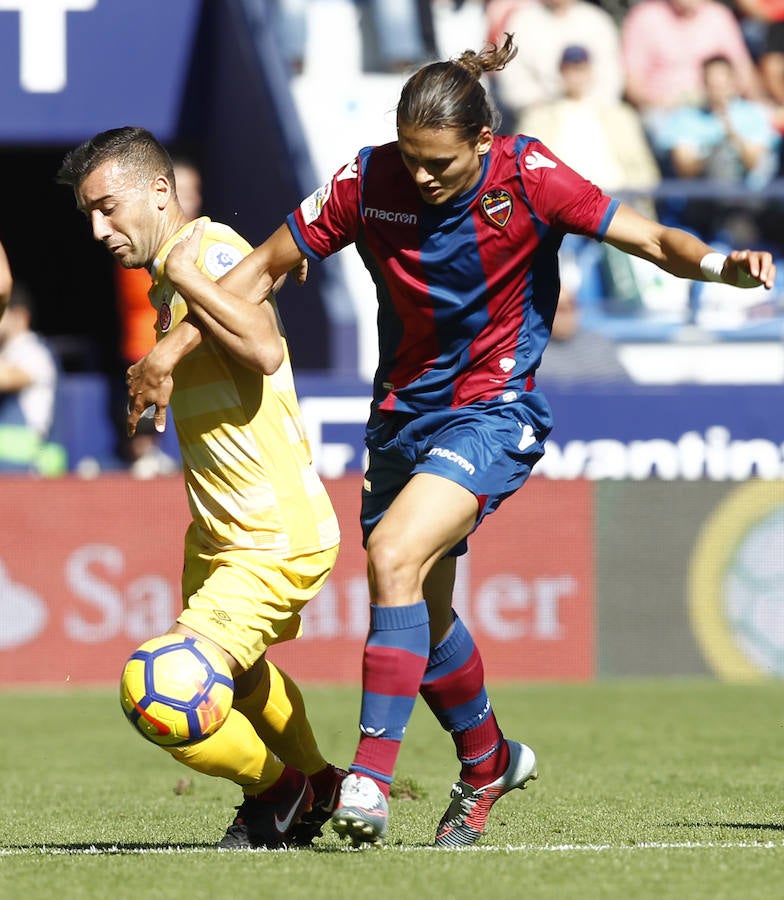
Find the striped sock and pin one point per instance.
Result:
(454, 689)
(392, 667)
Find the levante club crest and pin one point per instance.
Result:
(497, 206)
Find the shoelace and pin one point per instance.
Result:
(465, 803)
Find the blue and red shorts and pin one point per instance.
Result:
(489, 448)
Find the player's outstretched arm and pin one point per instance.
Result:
(6, 280)
(263, 270)
(232, 310)
(685, 255)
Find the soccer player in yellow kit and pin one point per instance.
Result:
(264, 536)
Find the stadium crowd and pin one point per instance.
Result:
(677, 106)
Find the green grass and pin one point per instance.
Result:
(646, 790)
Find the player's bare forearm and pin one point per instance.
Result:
(685, 255)
(247, 330)
(245, 325)
(263, 270)
(249, 281)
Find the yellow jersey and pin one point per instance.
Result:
(247, 463)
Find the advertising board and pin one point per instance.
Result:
(90, 568)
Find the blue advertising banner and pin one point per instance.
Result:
(691, 432)
(70, 68)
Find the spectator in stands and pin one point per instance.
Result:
(726, 138)
(497, 13)
(575, 356)
(756, 18)
(771, 62)
(28, 381)
(543, 29)
(143, 452)
(763, 26)
(289, 19)
(664, 44)
(602, 139)
(396, 34)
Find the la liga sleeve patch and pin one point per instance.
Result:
(220, 257)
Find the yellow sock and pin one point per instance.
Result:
(234, 751)
(276, 709)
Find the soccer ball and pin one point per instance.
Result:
(176, 690)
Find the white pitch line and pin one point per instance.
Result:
(117, 850)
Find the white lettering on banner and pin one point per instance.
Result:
(146, 608)
(43, 41)
(339, 612)
(151, 605)
(358, 605)
(693, 456)
(505, 607)
(331, 459)
(102, 606)
(23, 614)
(508, 608)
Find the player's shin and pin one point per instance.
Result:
(453, 687)
(392, 668)
(276, 709)
(234, 752)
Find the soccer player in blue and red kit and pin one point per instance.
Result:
(460, 229)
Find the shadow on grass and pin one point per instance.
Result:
(99, 848)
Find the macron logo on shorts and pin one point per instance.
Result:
(453, 457)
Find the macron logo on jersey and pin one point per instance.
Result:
(390, 215)
(535, 160)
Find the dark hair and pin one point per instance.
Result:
(135, 148)
(717, 59)
(450, 94)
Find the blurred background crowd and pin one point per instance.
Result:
(674, 105)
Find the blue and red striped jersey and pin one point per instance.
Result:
(467, 290)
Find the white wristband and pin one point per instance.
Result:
(711, 265)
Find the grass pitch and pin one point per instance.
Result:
(666, 789)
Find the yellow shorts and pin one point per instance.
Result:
(247, 600)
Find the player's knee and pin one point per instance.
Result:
(176, 690)
(390, 566)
